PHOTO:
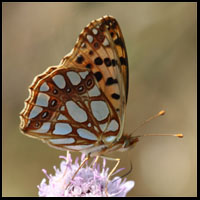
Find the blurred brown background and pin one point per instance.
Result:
(161, 40)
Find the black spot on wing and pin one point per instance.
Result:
(115, 96)
(80, 59)
(119, 42)
(88, 66)
(113, 62)
(107, 62)
(98, 61)
(111, 81)
(123, 61)
(98, 76)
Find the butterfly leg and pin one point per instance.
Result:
(94, 161)
(110, 174)
(67, 160)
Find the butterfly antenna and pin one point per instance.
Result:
(162, 112)
(126, 174)
(129, 171)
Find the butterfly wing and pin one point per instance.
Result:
(101, 48)
(67, 110)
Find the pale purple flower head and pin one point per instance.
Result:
(89, 181)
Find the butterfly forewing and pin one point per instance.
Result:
(101, 48)
(80, 104)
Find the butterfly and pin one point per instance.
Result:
(79, 105)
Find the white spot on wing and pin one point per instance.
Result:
(103, 126)
(90, 38)
(110, 138)
(62, 117)
(77, 113)
(83, 44)
(62, 108)
(35, 111)
(62, 141)
(43, 129)
(74, 78)
(94, 92)
(44, 87)
(99, 110)
(89, 124)
(113, 126)
(95, 31)
(29, 121)
(83, 74)
(42, 100)
(62, 129)
(105, 42)
(86, 134)
(59, 81)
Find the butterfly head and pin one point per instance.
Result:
(127, 142)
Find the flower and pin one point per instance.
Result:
(88, 182)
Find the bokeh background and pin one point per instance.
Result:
(161, 40)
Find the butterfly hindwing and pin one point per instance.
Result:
(67, 110)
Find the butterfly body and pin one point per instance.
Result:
(80, 104)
